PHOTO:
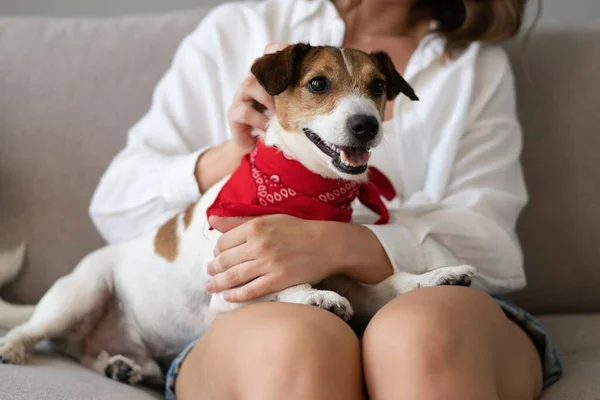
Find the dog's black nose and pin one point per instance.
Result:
(363, 127)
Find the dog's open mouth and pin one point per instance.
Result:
(349, 160)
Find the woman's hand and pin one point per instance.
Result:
(244, 117)
(260, 256)
(245, 114)
(267, 254)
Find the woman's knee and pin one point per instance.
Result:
(448, 342)
(293, 343)
(281, 351)
(430, 326)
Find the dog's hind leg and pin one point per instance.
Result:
(125, 370)
(68, 310)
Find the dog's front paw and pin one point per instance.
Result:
(330, 301)
(450, 276)
(123, 370)
(11, 352)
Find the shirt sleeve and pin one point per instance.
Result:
(153, 177)
(473, 221)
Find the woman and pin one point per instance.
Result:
(453, 157)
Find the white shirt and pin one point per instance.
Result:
(453, 156)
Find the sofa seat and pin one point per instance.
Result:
(48, 377)
(577, 337)
(53, 377)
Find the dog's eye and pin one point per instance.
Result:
(377, 87)
(318, 85)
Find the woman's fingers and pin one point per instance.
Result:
(224, 225)
(230, 258)
(259, 287)
(240, 274)
(243, 114)
(252, 91)
(274, 47)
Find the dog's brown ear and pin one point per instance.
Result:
(395, 83)
(277, 71)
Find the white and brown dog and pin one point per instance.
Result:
(126, 306)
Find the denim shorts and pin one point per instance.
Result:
(551, 365)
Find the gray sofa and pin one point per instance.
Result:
(70, 89)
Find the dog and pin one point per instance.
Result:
(11, 262)
(126, 307)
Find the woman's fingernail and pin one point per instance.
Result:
(227, 296)
(208, 286)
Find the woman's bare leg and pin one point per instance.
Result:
(274, 351)
(448, 343)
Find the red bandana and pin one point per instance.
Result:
(269, 182)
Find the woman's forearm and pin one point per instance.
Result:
(359, 254)
(216, 163)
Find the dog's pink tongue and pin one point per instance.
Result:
(356, 156)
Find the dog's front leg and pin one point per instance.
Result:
(325, 299)
(368, 299)
(299, 294)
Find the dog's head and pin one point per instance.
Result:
(330, 104)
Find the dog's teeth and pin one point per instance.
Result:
(344, 158)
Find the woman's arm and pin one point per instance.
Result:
(474, 219)
(216, 163)
(266, 254)
(244, 118)
(163, 168)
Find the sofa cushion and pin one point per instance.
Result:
(56, 378)
(577, 338)
(70, 89)
(559, 100)
(573, 333)
(580, 379)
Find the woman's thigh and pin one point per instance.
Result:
(274, 351)
(448, 343)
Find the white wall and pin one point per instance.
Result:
(556, 12)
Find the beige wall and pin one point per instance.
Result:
(556, 11)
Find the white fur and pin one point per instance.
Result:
(128, 300)
(10, 266)
(346, 61)
(332, 127)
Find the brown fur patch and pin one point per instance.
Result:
(188, 216)
(166, 241)
(352, 72)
